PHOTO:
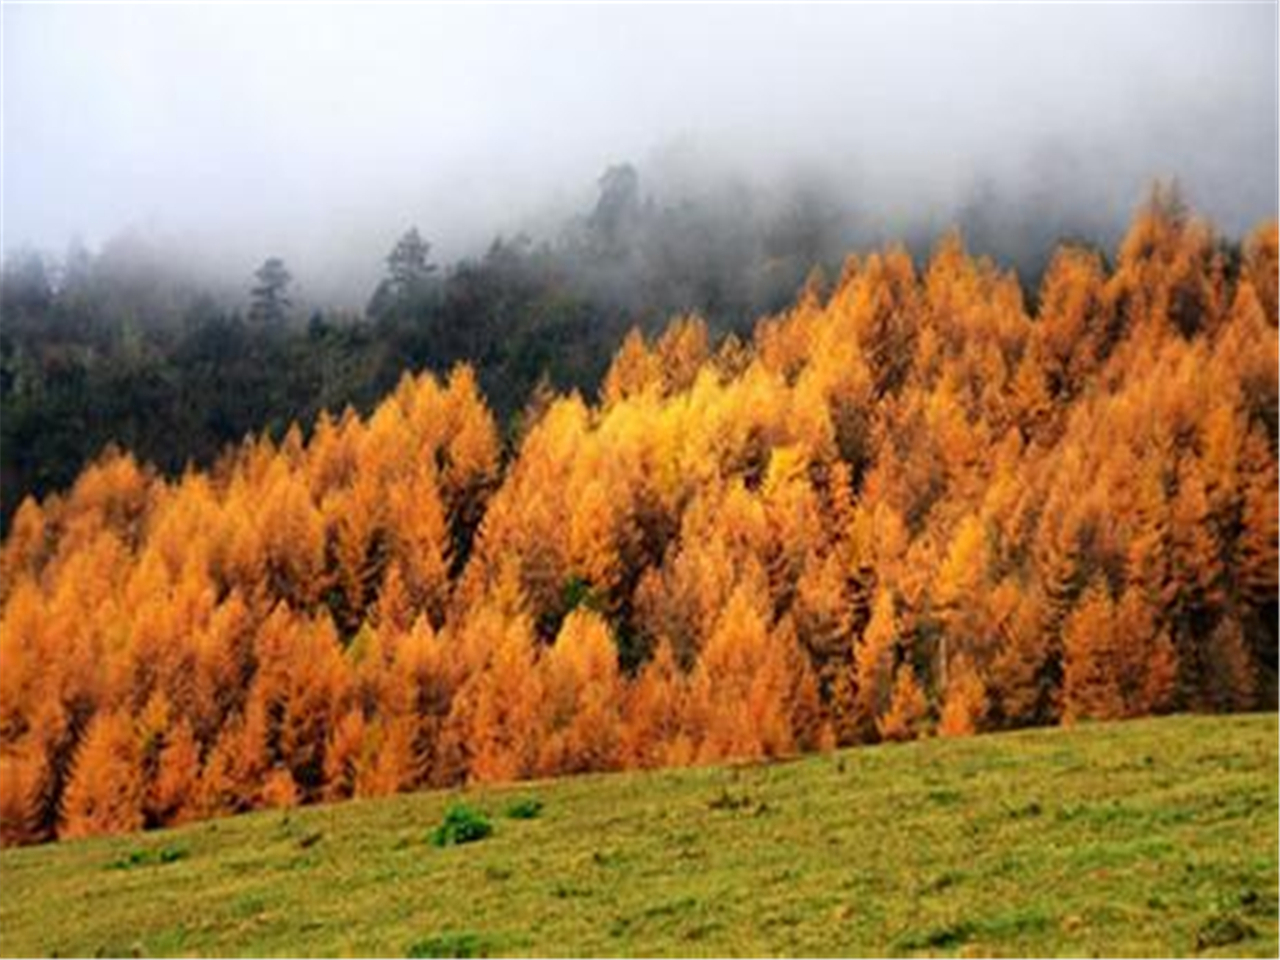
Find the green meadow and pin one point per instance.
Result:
(1154, 837)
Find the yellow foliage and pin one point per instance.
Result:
(906, 500)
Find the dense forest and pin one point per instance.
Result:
(140, 345)
(134, 345)
(909, 504)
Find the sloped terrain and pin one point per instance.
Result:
(1152, 837)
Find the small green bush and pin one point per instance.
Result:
(725, 800)
(527, 809)
(1222, 930)
(448, 945)
(946, 937)
(148, 858)
(461, 825)
(309, 840)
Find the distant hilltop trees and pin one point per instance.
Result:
(271, 302)
(410, 283)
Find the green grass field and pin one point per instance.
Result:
(1153, 837)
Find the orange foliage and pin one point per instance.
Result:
(1116, 663)
(964, 705)
(903, 499)
(105, 794)
(740, 697)
(583, 698)
(655, 724)
(907, 709)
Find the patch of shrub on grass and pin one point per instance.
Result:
(461, 824)
(728, 801)
(148, 858)
(115, 950)
(944, 937)
(1222, 930)
(449, 945)
(309, 840)
(1026, 811)
(943, 881)
(530, 808)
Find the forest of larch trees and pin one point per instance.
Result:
(920, 502)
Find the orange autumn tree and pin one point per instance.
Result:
(908, 708)
(964, 704)
(740, 690)
(876, 657)
(1116, 662)
(105, 793)
(655, 727)
(582, 698)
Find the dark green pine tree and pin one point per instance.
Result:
(271, 303)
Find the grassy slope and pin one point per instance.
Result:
(1153, 837)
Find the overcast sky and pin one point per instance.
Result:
(313, 129)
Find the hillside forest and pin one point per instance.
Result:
(154, 344)
(915, 502)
